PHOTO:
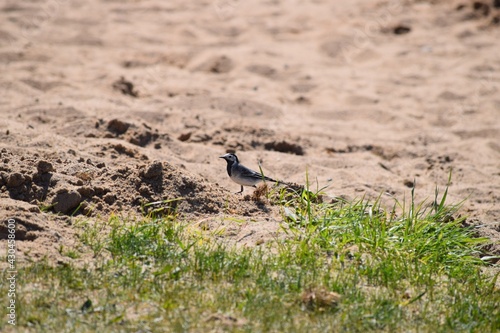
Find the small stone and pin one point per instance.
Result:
(118, 126)
(86, 191)
(34, 209)
(65, 201)
(100, 190)
(15, 179)
(153, 170)
(44, 167)
(109, 198)
(144, 191)
(184, 137)
(409, 183)
(401, 30)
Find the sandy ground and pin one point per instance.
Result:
(108, 105)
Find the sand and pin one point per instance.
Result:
(108, 105)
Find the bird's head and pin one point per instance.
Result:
(230, 158)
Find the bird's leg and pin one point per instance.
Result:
(241, 190)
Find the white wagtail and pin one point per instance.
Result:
(242, 175)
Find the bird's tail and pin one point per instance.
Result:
(279, 182)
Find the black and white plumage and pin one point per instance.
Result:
(242, 175)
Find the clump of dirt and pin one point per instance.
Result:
(260, 192)
(117, 126)
(137, 134)
(252, 138)
(401, 29)
(125, 87)
(284, 147)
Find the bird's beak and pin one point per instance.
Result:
(222, 156)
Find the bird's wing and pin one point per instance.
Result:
(245, 172)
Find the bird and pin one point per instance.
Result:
(242, 175)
